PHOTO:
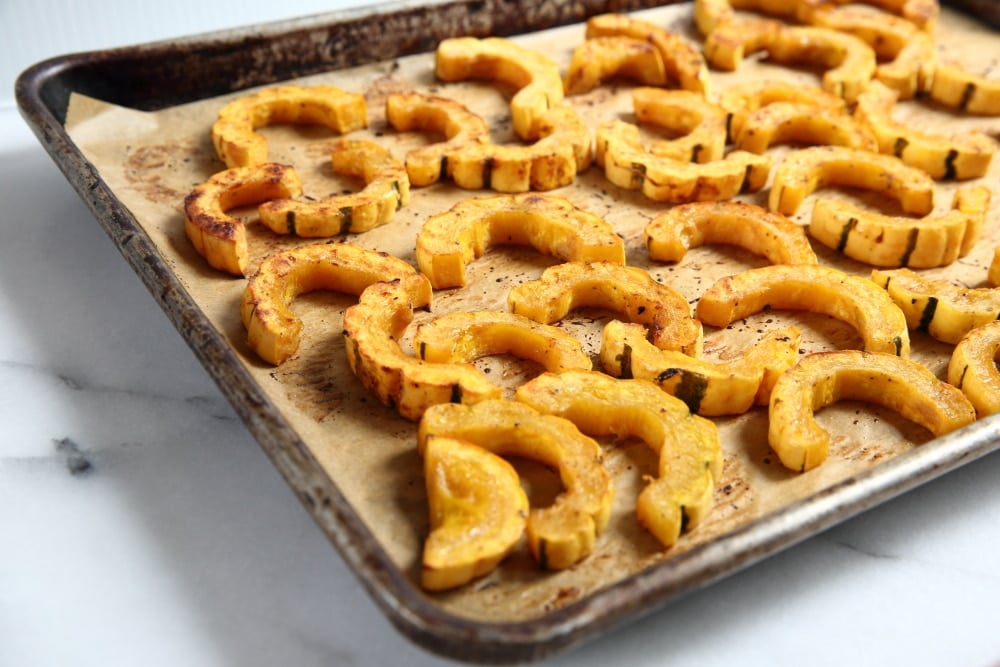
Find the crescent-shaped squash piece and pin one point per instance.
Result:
(477, 510)
(958, 156)
(387, 189)
(690, 455)
(670, 234)
(273, 330)
(895, 241)
(698, 125)
(742, 99)
(709, 388)
(564, 532)
(973, 368)
(937, 307)
(959, 88)
(535, 75)
(218, 237)
(629, 290)
(449, 241)
(411, 111)
(372, 330)
(613, 56)
(801, 124)
(682, 60)
(921, 13)
(819, 289)
(804, 171)
(848, 61)
(234, 133)
(821, 379)
(465, 337)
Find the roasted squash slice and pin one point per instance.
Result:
(730, 42)
(629, 290)
(849, 62)
(564, 148)
(535, 75)
(798, 123)
(613, 56)
(821, 379)
(234, 134)
(945, 311)
(683, 60)
(700, 125)
(564, 532)
(993, 273)
(630, 165)
(895, 241)
(710, 388)
(553, 225)
(387, 189)
(959, 88)
(690, 455)
(273, 330)
(907, 55)
(921, 13)
(973, 368)
(218, 237)
(710, 14)
(410, 111)
(743, 99)
(477, 511)
(670, 234)
(819, 289)
(372, 330)
(465, 337)
(958, 157)
(804, 171)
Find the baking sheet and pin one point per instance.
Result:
(354, 462)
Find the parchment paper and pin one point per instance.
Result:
(152, 160)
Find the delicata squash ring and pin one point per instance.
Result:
(410, 111)
(708, 388)
(683, 61)
(894, 241)
(791, 122)
(958, 88)
(804, 171)
(824, 378)
(729, 42)
(623, 289)
(372, 329)
(534, 74)
(922, 13)
(850, 63)
(630, 165)
(563, 148)
(552, 225)
(742, 99)
(387, 189)
(670, 234)
(701, 123)
(601, 58)
(273, 330)
(973, 368)
(477, 511)
(959, 157)
(234, 132)
(465, 337)
(220, 238)
(564, 532)
(945, 311)
(690, 455)
(819, 289)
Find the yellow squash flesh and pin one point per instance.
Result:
(631, 291)
(819, 289)
(477, 511)
(959, 88)
(670, 234)
(273, 330)
(742, 99)
(449, 241)
(973, 368)
(234, 135)
(690, 455)
(613, 56)
(566, 531)
(699, 125)
(709, 388)
(801, 124)
(220, 238)
(824, 378)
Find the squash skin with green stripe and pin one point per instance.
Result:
(973, 369)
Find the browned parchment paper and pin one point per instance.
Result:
(152, 160)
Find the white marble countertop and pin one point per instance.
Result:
(141, 524)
